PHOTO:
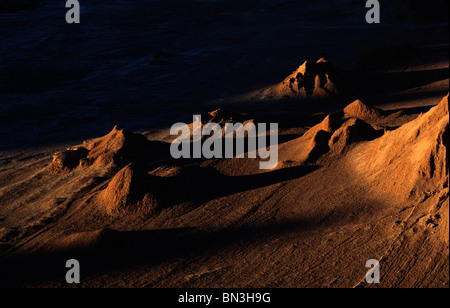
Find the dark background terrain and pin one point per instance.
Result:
(147, 63)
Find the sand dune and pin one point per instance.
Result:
(411, 160)
(361, 111)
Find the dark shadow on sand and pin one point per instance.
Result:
(125, 250)
(132, 250)
(200, 185)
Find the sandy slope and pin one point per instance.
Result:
(225, 223)
(363, 171)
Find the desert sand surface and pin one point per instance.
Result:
(86, 171)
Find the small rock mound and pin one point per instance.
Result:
(331, 122)
(311, 79)
(68, 159)
(318, 145)
(114, 148)
(221, 117)
(111, 152)
(361, 111)
(350, 132)
(128, 191)
(306, 149)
